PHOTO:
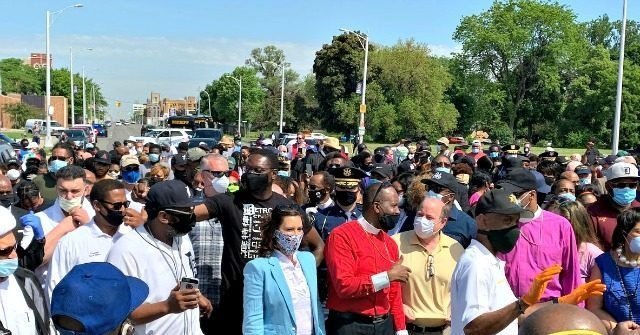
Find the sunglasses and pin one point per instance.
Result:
(217, 174)
(383, 185)
(118, 205)
(430, 270)
(300, 138)
(59, 158)
(625, 185)
(129, 168)
(6, 252)
(441, 164)
(567, 190)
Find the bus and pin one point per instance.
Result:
(190, 122)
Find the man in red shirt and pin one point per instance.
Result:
(364, 270)
(476, 150)
(621, 185)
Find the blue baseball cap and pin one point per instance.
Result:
(97, 295)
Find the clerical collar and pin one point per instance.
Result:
(326, 204)
(536, 215)
(367, 226)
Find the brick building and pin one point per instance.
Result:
(59, 104)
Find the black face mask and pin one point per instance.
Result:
(345, 198)
(113, 217)
(503, 240)
(315, 196)
(549, 180)
(388, 221)
(185, 223)
(255, 183)
(6, 200)
(367, 168)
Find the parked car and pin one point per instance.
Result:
(88, 129)
(102, 130)
(118, 123)
(210, 142)
(208, 133)
(56, 128)
(77, 137)
(107, 123)
(164, 136)
(15, 145)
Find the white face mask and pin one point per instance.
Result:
(68, 205)
(221, 184)
(475, 150)
(423, 227)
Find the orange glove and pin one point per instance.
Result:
(540, 284)
(583, 292)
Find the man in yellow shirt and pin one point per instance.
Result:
(431, 256)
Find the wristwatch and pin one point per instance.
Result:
(554, 300)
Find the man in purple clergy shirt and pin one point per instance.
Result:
(545, 239)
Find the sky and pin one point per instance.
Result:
(135, 47)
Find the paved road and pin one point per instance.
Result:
(118, 133)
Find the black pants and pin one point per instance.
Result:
(340, 324)
(228, 315)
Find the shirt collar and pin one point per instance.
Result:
(484, 252)
(414, 240)
(367, 226)
(283, 259)
(536, 215)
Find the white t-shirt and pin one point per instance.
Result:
(479, 286)
(161, 266)
(84, 245)
(50, 218)
(15, 314)
(138, 206)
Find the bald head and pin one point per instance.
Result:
(432, 206)
(214, 162)
(571, 176)
(561, 317)
(5, 184)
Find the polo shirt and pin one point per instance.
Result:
(15, 313)
(84, 245)
(428, 296)
(604, 219)
(479, 286)
(460, 226)
(161, 266)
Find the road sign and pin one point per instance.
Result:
(363, 108)
(360, 131)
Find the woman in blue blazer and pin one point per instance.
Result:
(280, 286)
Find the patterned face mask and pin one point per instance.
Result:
(288, 244)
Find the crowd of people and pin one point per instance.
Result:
(302, 239)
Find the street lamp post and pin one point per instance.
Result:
(47, 102)
(84, 98)
(281, 92)
(616, 120)
(73, 91)
(239, 82)
(364, 42)
(208, 100)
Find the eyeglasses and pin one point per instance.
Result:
(118, 205)
(6, 252)
(59, 158)
(217, 174)
(624, 185)
(130, 168)
(300, 138)
(430, 270)
(383, 185)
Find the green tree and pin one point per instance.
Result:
(338, 70)
(521, 45)
(20, 113)
(305, 106)
(20, 78)
(226, 97)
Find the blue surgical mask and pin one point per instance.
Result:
(8, 267)
(433, 194)
(585, 181)
(624, 196)
(154, 158)
(494, 154)
(283, 173)
(634, 245)
(56, 165)
(567, 195)
(130, 177)
(443, 169)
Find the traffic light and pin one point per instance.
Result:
(118, 104)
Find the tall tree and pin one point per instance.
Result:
(518, 44)
(226, 97)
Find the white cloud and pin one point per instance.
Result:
(444, 50)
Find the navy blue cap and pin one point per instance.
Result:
(97, 295)
(170, 194)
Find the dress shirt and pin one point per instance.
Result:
(479, 286)
(545, 240)
(428, 295)
(300, 295)
(358, 257)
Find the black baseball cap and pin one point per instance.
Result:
(382, 170)
(102, 156)
(500, 201)
(442, 179)
(180, 159)
(518, 180)
(170, 194)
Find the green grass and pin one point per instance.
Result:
(16, 134)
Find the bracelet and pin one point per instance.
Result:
(554, 300)
(522, 306)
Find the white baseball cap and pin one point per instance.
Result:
(621, 170)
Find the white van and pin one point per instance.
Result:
(56, 128)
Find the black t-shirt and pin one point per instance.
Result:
(241, 216)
